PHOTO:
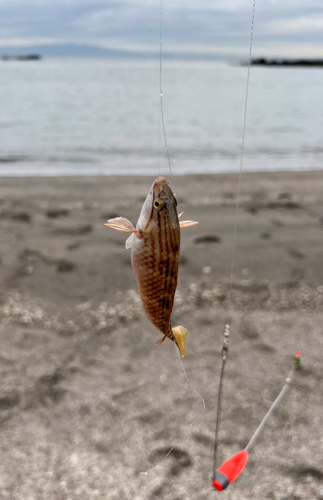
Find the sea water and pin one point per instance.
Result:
(101, 116)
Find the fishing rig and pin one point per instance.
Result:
(231, 469)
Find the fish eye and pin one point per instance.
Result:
(158, 204)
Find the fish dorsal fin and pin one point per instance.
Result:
(129, 241)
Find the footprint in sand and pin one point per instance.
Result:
(208, 238)
(308, 472)
(252, 209)
(56, 213)
(73, 246)
(296, 254)
(203, 439)
(277, 222)
(74, 231)
(265, 236)
(180, 458)
(47, 389)
(64, 266)
(111, 215)
(21, 217)
(9, 400)
(29, 258)
(150, 418)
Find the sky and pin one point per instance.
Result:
(283, 28)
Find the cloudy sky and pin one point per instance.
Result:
(283, 28)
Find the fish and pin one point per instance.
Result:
(155, 247)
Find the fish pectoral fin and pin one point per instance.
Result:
(187, 223)
(161, 340)
(122, 224)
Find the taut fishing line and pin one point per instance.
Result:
(225, 346)
(161, 95)
(189, 383)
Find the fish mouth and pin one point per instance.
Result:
(159, 186)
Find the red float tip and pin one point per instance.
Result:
(297, 357)
(230, 470)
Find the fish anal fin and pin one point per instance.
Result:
(187, 223)
(180, 334)
(161, 340)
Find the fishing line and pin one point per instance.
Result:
(167, 152)
(225, 346)
(159, 104)
(161, 95)
(280, 396)
(241, 154)
(189, 383)
(273, 406)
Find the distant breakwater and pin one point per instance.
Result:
(262, 61)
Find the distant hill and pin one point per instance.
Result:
(75, 50)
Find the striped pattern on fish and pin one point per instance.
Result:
(155, 246)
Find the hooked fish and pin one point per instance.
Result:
(155, 245)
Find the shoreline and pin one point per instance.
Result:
(269, 171)
(177, 171)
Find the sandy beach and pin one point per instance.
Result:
(90, 407)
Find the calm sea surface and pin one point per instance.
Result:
(90, 116)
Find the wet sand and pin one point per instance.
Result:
(88, 401)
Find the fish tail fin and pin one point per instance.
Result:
(180, 338)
